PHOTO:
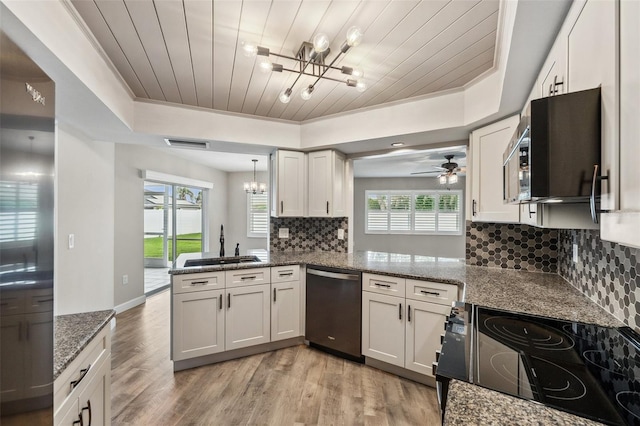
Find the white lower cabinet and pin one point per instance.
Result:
(422, 339)
(248, 316)
(198, 324)
(406, 331)
(82, 393)
(383, 327)
(285, 310)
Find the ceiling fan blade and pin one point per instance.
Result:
(423, 173)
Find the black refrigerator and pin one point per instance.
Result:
(27, 140)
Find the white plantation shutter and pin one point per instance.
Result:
(258, 216)
(18, 211)
(413, 212)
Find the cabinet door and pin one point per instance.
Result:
(95, 399)
(339, 187)
(425, 322)
(623, 225)
(320, 183)
(290, 184)
(285, 310)
(487, 146)
(553, 76)
(38, 354)
(198, 324)
(12, 336)
(68, 414)
(248, 316)
(383, 320)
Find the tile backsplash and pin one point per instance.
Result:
(512, 246)
(605, 272)
(309, 234)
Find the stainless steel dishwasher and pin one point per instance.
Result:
(334, 311)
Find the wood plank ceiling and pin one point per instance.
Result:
(189, 51)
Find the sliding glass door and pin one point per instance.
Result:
(167, 208)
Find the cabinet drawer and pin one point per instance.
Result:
(242, 277)
(184, 283)
(383, 284)
(280, 274)
(75, 376)
(440, 293)
(40, 300)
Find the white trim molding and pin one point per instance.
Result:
(130, 304)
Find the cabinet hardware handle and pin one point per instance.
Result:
(199, 282)
(220, 301)
(83, 373)
(409, 313)
(556, 83)
(228, 300)
(592, 199)
(327, 207)
(382, 285)
(44, 300)
(286, 274)
(281, 207)
(88, 407)
(274, 295)
(79, 421)
(551, 89)
(400, 311)
(473, 208)
(530, 212)
(431, 293)
(252, 277)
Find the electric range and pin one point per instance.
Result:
(584, 369)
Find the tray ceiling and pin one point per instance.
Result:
(188, 52)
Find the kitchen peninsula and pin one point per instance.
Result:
(519, 291)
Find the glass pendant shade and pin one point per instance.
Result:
(442, 179)
(354, 36)
(254, 186)
(306, 93)
(453, 178)
(285, 96)
(320, 42)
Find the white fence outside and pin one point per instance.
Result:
(189, 221)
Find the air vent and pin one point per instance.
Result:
(176, 143)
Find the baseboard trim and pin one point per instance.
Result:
(130, 304)
(236, 353)
(399, 371)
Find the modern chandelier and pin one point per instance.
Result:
(254, 186)
(310, 60)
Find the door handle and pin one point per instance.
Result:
(228, 300)
(281, 207)
(88, 407)
(274, 295)
(400, 311)
(220, 305)
(327, 207)
(473, 208)
(409, 313)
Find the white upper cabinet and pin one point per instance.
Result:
(288, 183)
(622, 224)
(326, 184)
(487, 145)
(553, 77)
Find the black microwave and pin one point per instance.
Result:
(554, 154)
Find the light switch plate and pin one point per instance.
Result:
(575, 253)
(341, 234)
(72, 241)
(283, 232)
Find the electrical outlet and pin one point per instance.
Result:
(575, 253)
(283, 232)
(341, 234)
(72, 241)
(125, 279)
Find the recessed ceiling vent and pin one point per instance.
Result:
(177, 143)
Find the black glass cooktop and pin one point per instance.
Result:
(584, 369)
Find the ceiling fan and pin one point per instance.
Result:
(447, 168)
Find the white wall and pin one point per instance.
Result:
(129, 211)
(236, 226)
(84, 207)
(428, 245)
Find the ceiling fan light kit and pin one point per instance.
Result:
(310, 60)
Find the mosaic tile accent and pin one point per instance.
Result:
(512, 246)
(607, 273)
(309, 234)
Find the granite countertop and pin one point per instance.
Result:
(469, 404)
(72, 333)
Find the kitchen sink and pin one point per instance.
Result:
(220, 261)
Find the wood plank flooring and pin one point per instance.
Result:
(297, 385)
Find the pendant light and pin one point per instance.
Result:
(254, 187)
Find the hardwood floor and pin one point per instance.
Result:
(297, 385)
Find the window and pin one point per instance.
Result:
(19, 212)
(413, 212)
(257, 215)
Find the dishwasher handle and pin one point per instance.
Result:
(336, 275)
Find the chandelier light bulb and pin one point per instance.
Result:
(361, 86)
(250, 50)
(265, 65)
(285, 96)
(306, 93)
(357, 73)
(354, 36)
(320, 42)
